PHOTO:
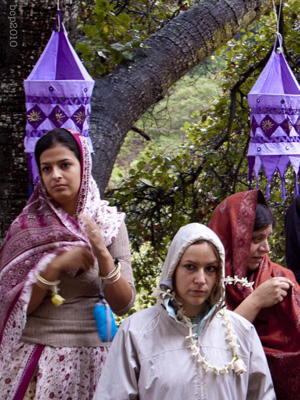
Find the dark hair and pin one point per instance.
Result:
(263, 217)
(51, 138)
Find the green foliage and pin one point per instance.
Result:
(170, 186)
(114, 30)
(164, 121)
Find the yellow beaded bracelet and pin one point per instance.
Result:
(56, 299)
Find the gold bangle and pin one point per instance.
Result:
(112, 273)
(45, 282)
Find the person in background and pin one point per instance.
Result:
(263, 292)
(65, 251)
(187, 346)
(292, 237)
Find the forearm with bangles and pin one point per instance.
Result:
(114, 275)
(39, 291)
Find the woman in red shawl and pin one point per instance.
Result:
(269, 297)
(67, 239)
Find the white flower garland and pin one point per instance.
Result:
(244, 281)
(236, 364)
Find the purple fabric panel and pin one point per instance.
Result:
(45, 68)
(65, 88)
(33, 169)
(35, 117)
(295, 161)
(251, 161)
(66, 66)
(297, 126)
(79, 117)
(283, 163)
(44, 117)
(268, 126)
(286, 126)
(36, 133)
(274, 149)
(86, 76)
(59, 60)
(267, 109)
(290, 83)
(283, 191)
(282, 167)
(276, 139)
(273, 83)
(28, 373)
(276, 78)
(269, 164)
(263, 77)
(58, 117)
(58, 100)
(257, 167)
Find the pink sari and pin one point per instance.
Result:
(37, 235)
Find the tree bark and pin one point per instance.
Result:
(120, 98)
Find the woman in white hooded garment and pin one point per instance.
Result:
(188, 346)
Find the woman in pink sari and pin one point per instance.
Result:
(66, 239)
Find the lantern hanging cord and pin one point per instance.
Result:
(279, 36)
(58, 18)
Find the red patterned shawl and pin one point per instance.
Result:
(278, 326)
(37, 235)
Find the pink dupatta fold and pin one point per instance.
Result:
(38, 234)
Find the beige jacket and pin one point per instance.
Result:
(151, 358)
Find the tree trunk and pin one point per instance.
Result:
(120, 98)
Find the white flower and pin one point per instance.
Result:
(206, 367)
(239, 366)
(229, 280)
(156, 292)
(224, 370)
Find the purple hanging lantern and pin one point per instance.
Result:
(274, 103)
(58, 93)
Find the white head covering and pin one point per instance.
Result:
(185, 237)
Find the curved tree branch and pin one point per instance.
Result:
(120, 98)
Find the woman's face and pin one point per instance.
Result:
(195, 277)
(259, 247)
(61, 174)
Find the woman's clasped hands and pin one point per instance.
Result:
(77, 257)
(272, 291)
